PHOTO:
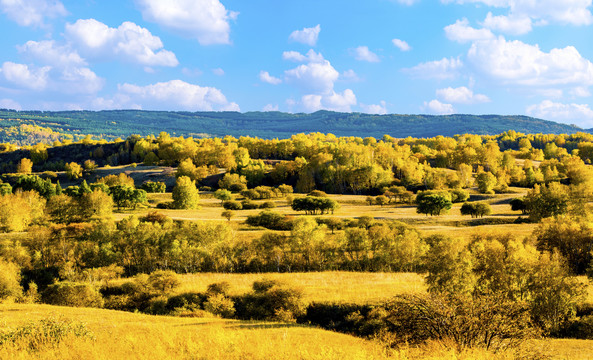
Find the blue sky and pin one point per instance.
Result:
(372, 56)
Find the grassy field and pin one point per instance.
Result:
(331, 286)
(121, 335)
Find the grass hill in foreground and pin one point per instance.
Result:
(26, 127)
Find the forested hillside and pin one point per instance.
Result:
(30, 127)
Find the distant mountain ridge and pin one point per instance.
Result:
(122, 123)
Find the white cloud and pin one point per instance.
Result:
(574, 12)
(23, 76)
(296, 56)
(174, 95)
(270, 107)
(437, 107)
(446, 68)
(32, 12)
(362, 53)
(9, 104)
(68, 80)
(128, 42)
(512, 24)
(218, 71)
(461, 95)
(402, 45)
(350, 75)
(580, 92)
(265, 76)
(205, 20)
(578, 114)
(462, 32)
(313, 76)
(379, 109)
(514, 62)
(307, 36)
(50, 53)
(332, 101)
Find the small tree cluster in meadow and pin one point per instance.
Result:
(314, 205)
(154, 186)
(476, 209)
(185, 194)
(432, 204)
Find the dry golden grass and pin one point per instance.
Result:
(121, 335)
(331, 286)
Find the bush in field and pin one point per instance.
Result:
(219, 304)
(232, 205)
(476, 209)
(488, 322)
(154, 186)
(272, 300)
(66, 293)
(10, 278)
(432, 204)
(163, 281)
(270, 220)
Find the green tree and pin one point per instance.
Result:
(222, 195)
(486, 182)
(433, 204)
(185, 194)
(73, 170)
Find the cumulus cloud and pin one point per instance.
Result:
(578, 114)
(379, 109)
(512, 24)
(265, 76)
(574, 12)
(437, 107)
(23, 76)
(332, 101)
(446, 68)
(362, 53)
(9, 104)
(461, 95)
(314, 76)
(128, 42)
(402, 45)
(350, 75)
(461, 32)
(514, 62)
(170, 95)
(66, 80)
(205, 20)
(296, 56)
(218, 71)
(51, 53)
(270, 107)
(307, 36)
(32, 12)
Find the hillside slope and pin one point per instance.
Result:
(27, 126)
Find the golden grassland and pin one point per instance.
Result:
(121, 335)
(355, 206)
(331, 286)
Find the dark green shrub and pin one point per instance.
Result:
(267, 205)
(154, 186)
(249, 205)
(232, 205)
(272, 300)
(66, 293)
